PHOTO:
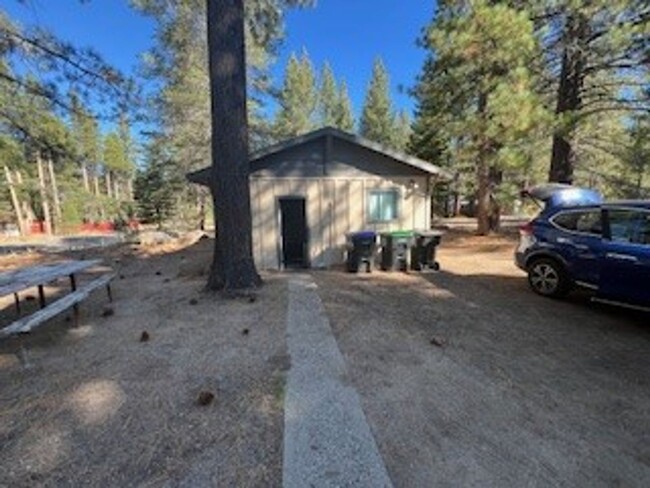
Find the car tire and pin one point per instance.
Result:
(547, 277)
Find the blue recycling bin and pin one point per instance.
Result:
(361, 249)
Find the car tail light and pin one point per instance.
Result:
(526, 229)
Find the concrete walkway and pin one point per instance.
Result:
(327, 440)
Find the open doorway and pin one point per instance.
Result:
(294, 238)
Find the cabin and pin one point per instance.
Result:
(309, 192)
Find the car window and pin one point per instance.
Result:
(627, 225)
(587, 222)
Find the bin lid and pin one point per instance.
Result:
(428, 233)
(401, 233)
(364, 234)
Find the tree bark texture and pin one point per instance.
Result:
(55, 189)
(109, 185)
(569, 97)
(233, 267)
(483, 176)
(16, 203)
(28, 211)
(84, 174)
(45, 204)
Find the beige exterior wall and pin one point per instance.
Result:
(334, 207)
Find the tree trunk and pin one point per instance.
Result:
(129, 188)
(55, 190)
(28, 211)
(116, 187)
(201, 211)
(233, 266)
(96, 184)
(569, 97)
(16, 203)
(483, 176)
(483, 195)
(84, 174)
(109, 189)
(44, 200)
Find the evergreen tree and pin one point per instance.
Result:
(178, 63)
(233, 266)
(116, 157)
(328, 99)
(594, 55)
(85, 133)
(344, 115)
(156, 185)
(475, 96)
(401, 130)
(377, 115)
(298, 98)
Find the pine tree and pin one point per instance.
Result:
(328, 98)
(476, 92)
(594, 52)
(344, 116)
(377, 115)
(85, 133)
(298, 98)
(232, 265)
(157, 185)
(401, 130)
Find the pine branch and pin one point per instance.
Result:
(108, 77)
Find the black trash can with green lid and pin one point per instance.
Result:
(396, 250)
(423, 251)
(361, 248)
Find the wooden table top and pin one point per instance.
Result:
(19, 279)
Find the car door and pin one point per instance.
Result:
(578, 239)
(625, 264)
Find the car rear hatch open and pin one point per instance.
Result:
(561, 195)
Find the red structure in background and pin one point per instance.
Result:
(101, 227)
(37, 227)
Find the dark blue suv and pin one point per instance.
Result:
(579, 240)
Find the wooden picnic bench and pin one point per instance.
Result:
(13, 282)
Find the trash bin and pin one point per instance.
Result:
(395, 250)
(361, 247)
(423, 251)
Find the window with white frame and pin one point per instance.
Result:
(383, 205)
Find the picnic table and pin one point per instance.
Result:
(15, 281)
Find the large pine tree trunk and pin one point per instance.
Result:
(233, 267)
(563, 156)
(45, 204)
(16, 203)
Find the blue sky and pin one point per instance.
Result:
(347, 33)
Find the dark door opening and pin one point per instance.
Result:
(294, 232)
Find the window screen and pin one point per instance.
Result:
(382, 205)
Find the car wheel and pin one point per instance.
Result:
(548, 278)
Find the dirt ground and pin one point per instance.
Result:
(525, 391)
(98, 407)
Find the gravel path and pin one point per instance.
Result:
(327, 441)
